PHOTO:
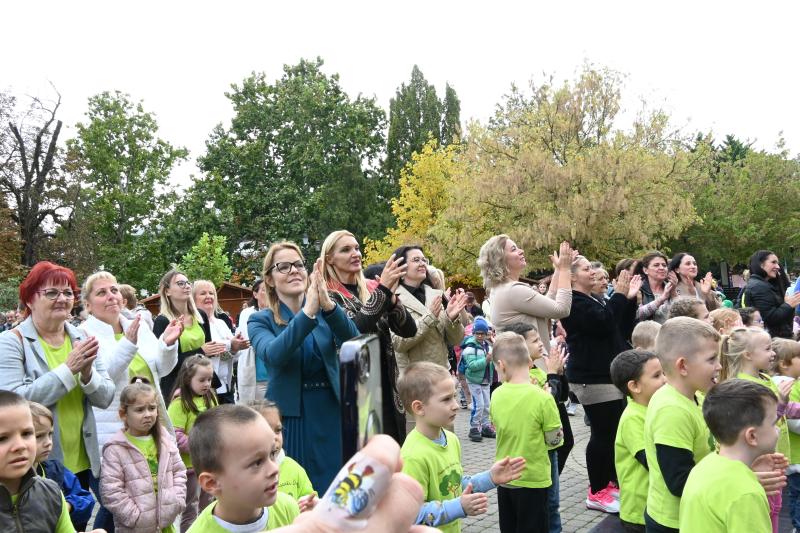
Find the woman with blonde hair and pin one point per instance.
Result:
(297, 336)
(176, 302)
(502, 263)
(205, 298)
(374, 308)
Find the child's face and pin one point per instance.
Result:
(761, 353)
(17, 444)
(249, 480)
(791, 370)
(480, 336)
(535, 345)
(141, 416)
(757, 320)
(702, 368)
(701, 313)
(44, 439)
(201, 382)
(651, 380)
(767, 433)
(441, 408)
(274, 421)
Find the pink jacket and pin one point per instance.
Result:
(126, 485)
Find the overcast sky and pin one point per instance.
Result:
(730, 67)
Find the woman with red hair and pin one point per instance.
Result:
(49, 361)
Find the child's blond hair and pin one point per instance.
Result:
(418, 381)
(682, 337)
(734, 347)
(785, 350)
(511, 348)
(40, 411)
(644, 335)
(723, 319)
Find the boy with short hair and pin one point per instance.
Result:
(676, 436)
(638, 374)
(691, 307)
(527, 424)
(723, 493)
(644, 335)
(233, 452)
(479, 372)
(432, 454)
(26, 500)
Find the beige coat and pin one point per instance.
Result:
(519, 302)
(433, 334)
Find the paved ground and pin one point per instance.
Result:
(479, 456)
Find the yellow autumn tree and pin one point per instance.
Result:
(424, 193)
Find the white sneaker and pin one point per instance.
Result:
(602, 500)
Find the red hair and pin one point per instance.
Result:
(44, 272)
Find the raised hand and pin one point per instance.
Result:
(83, 353)
(311, 307)
(393, 271)
(564, 257)
(474, 503)
(792, 299)
(173, 331)
(769, 471)
(456, 304)
(239, 343)
(435, 307)
(706, 282)
(556, 359)
(133, 330)
(507, 469)
(784, 388)
(635, 285)
(623, 282)
(212, 348)
(325, 301)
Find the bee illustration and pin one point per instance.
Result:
(350, 494)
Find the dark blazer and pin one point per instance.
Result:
(160, 323)
(280, 347)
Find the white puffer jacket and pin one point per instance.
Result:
(117, 356)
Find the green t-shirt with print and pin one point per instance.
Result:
(631, 474)
(293, 479)
(522, 413)
(138, 366)
(436, 467)
(784, 443)
(673, 420)
(192, 337)
(184, 420)
(279, 514)
(69, 410)
(723, 496)
(539, 375)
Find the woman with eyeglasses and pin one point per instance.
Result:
(297, 336)
(48, 361)
(128, 349)
(437, 325)
(375, 308)
(177, 303)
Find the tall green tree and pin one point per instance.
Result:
(416, 114)
(207, 260)
(300, 159)
(125, 168)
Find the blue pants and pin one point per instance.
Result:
(553, 495)
(794, 499)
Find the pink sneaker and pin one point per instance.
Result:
(613, 490)
(602, 500)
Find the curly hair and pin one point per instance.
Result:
(492, 261)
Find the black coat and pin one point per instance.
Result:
(594, 336)
(767, 297)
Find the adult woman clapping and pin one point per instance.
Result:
(436, 325)
(205, 298)
(683, 274)
(47, 360)
(766, 290)
(377, 311)
(297, 337)
(502, 263)
(594, 338)
(656, 290)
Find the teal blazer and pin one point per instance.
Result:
(280, 347)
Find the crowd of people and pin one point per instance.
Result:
(194, 421)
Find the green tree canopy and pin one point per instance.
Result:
(207, 260)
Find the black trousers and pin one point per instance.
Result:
(523, 510)
(604, 418)
(651, 526)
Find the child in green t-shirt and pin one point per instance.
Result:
(31, 501)
(144, 480)
(638, 374)
(676, 436)
(233, 453)
(527, 424)
(292, 478)
(786, 367)
(432, 455)
(722, 493)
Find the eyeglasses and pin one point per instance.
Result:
(423, 260)
(284, 267)
(52, 294)
(183, 283)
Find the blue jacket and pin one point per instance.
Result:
(80, 499)
(280, 348)
(474, 356)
